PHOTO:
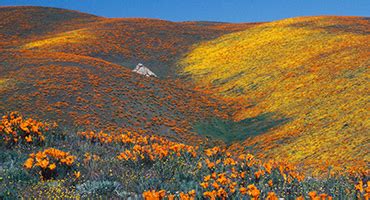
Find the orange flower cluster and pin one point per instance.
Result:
(224, 184)
(184, 196)
(213, 151)
(152, 147)
(48, 160)
(97, 137)
(362, 190)
(271, 196)
(158, 195)
(253, 192)
(15, 129)
(141, 146)
(357, 171)
(154, 195)
(314, 196)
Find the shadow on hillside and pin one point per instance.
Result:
(230, 131)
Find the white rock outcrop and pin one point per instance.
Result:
(141, 69)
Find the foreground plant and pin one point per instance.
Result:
(51, 163)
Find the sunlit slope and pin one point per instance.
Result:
(81, 92)
(22, 24)
(310, 70)
(157, 44)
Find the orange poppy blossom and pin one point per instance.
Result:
(313, 195)
(43, 163)
(212, 151)
(271, 196)
(243, 190)
(188, 196)
(28, 138)
(360, 186)
(253, 192)
(221, 193)
(154, 195)
(210, 194)
(215, 185)
(29, 163)
(367, 189)
(211, 165)
(268, 166)
(259, 173)
(49, 160)
(324, 196)
(367, 196)
(204, 185)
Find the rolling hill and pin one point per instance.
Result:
(81, 92)
(21, 24)
(312, 71)
(73, 67)
(124, 41)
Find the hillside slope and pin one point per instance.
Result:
(310, 70)
(126, 41)
(81, 92)
(74, 68)
(22, 24)
(156, 43)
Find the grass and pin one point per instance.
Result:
(232, 131)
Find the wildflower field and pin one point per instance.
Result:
(40, 160)
(239, 111)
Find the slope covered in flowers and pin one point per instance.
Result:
(122, 165)
(85, 92)
(74, 68)
(22, 24)
(156, 43)
(310, 70)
